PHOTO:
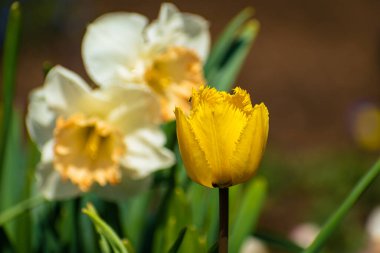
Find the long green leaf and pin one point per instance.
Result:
(20, 208)
(224, 77)
(178, 241)
(176, 217)
(10, 55)
(134, 215)
(14, 185)
(225, 41)
(105, 231)
(248, 214)
(337, 217)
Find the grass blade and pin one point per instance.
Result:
(20, 208)
(336, 218)
(10, 54)
(178, 241)
(105, 232)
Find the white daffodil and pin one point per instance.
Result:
(167, 55)
(102, 140)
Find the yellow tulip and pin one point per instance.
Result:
(223, 138)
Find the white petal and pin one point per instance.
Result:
(167, 11)
(128, 187)
(65, 91)
(198, 36)
(174, 28)
(134, 107)
(145, 153)
(112, 46)
(49, 181)
(40, 119)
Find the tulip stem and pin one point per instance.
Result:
(223, 220)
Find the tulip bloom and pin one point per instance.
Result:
(166, 55)
(223, 138)
(103, 140)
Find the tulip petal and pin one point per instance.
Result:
(49, 181)
(217, 129)
(193, 156)
(251, 146)
(145, 153)
(112, 46)
(40, 119)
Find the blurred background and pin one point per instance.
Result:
(315, 64)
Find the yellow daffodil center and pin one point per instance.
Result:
(173, 74)
(87, 150)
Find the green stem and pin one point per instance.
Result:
(20, 208)
(340, 213)
(223, 220)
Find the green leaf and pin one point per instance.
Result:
(337, 217)
(204, 206)
(88, 235)
(224, 77)
(177, 216)
(12, 171)
(5, 244)
(178, 241)
(15, 183)
(20, 208)
(248, 212)
(212, 217)
(169, 129)
(225, 41)
(10, 55)
(134, 217)
(194, 241)
(106, 232)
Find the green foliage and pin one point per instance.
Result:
(337, 217)
(10, 55)
(230, 51)
(108, 238)
(248, 211)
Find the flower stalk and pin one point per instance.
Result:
(223, 220)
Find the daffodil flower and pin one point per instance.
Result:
(166, 55)
(223, 138)
(102, 140)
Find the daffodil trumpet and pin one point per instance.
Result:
(221, 142)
